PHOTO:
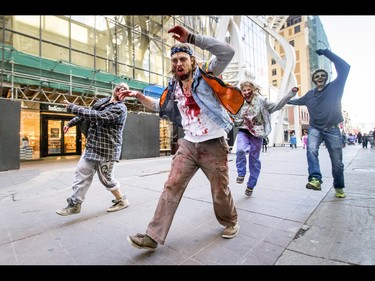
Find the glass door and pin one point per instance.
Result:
(55, 142)
(70, 144)
(54, 136)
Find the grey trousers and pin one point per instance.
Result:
(84, 175)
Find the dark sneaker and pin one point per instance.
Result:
(231, 231)
(71, 209)
(249, 191)
(340, 193)
(118, 205)
(240, 179)
(314, 184)
(143, 241)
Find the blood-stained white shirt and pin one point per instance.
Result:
(198, 127)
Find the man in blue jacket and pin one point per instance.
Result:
(324, 106)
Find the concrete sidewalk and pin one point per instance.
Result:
(283, 223)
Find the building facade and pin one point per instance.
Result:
(306, 34)
(46, 59)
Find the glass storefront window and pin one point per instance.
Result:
(30, 135)
(166, 129)
(70, 140)
(54, 137)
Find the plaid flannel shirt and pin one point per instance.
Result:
(104, 139)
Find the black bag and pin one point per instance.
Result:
(84, 127)
(85, 124)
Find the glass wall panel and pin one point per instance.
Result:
(82, 59)
(29, 134)
(141, 54)
(105, 38)
(166, 80)
(105, 65)
(53, 52)
(70, 139)
(125, 20)
(54, 136)
(83, 33)
(8, 24)
(158, 20)
(143, 23)
(27, 25)
(157, 79)
(124, 46)
(26, 44)
(139, 74)
(125, 70)
(168, 23)
(156, 56)
(167, 64)
(55, 29)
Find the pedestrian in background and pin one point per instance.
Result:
(344, 139)
(359, 137)
(254, 123)
(265, 144)
(304, 140)
(191, 103)
(364, 140)
(102, 151)
(324, 106)
(293, 141)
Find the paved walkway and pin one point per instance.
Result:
(283, 223)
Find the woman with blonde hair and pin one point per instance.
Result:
(254, 123)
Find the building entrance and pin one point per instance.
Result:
(54, 141)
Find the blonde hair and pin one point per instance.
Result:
(252, 85)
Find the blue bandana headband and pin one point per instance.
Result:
(181, 49)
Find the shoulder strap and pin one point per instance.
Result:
(165, 93)
(163, 96)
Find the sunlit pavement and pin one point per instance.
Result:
(283, 223)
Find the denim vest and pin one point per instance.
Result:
(205, 98)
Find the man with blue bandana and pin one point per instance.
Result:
(190, 102)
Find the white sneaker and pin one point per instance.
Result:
(119, 205)
(71, 209)
(231, 231)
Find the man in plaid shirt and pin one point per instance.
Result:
(103, 148)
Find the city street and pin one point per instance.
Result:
(283, 223)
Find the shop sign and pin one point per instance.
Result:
(53, 107)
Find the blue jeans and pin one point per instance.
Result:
(252, 145)
(333, 141)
